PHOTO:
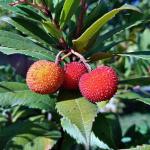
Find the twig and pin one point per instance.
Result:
(81, 17)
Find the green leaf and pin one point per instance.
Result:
(25, 134)
(99, 10)
(143, 147)
(102, 104)
(68, 10)
(83, 43)
(31, 12)
(76, 112)
(145, 42)
(12, 43)
(107, 128)
(100, 52)
(51, 29)
(136, 81)
(97, 143)
(32, 29)
(5, 5)
(18, 94)
(128, 95)
(30, 142)
(140, 54)
(74, 132)
(35, 53)
(118, 29)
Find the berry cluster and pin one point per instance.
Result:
(47, 77)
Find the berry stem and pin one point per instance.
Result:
(58, 59)
(67, 55)
(82, 59)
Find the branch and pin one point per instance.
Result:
(81, 17)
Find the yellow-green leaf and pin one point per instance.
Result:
(84, 42)
(69, 8)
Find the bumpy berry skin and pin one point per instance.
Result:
(99, 85)
(73, 73)
(44, 77)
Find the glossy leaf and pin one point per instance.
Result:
(68, 10)
(83, 43)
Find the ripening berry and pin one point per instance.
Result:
(99, 85)
(73, 73)
(44, 77)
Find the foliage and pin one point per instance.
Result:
(65, 120)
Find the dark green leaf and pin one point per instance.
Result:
(107, 128)
(31, 29)
(128, 95)
(136, 81)
(18, 94)
(24, 133)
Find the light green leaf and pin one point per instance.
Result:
(84, 41)
(74, 132)
(144, 40)
(30, 142)
(51, 29)
(13, 93)
(76, 111)
(68, 10)
(102, 104)
(96, 142)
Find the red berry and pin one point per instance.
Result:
(73, 72)
(99, 85)
(44, 77)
